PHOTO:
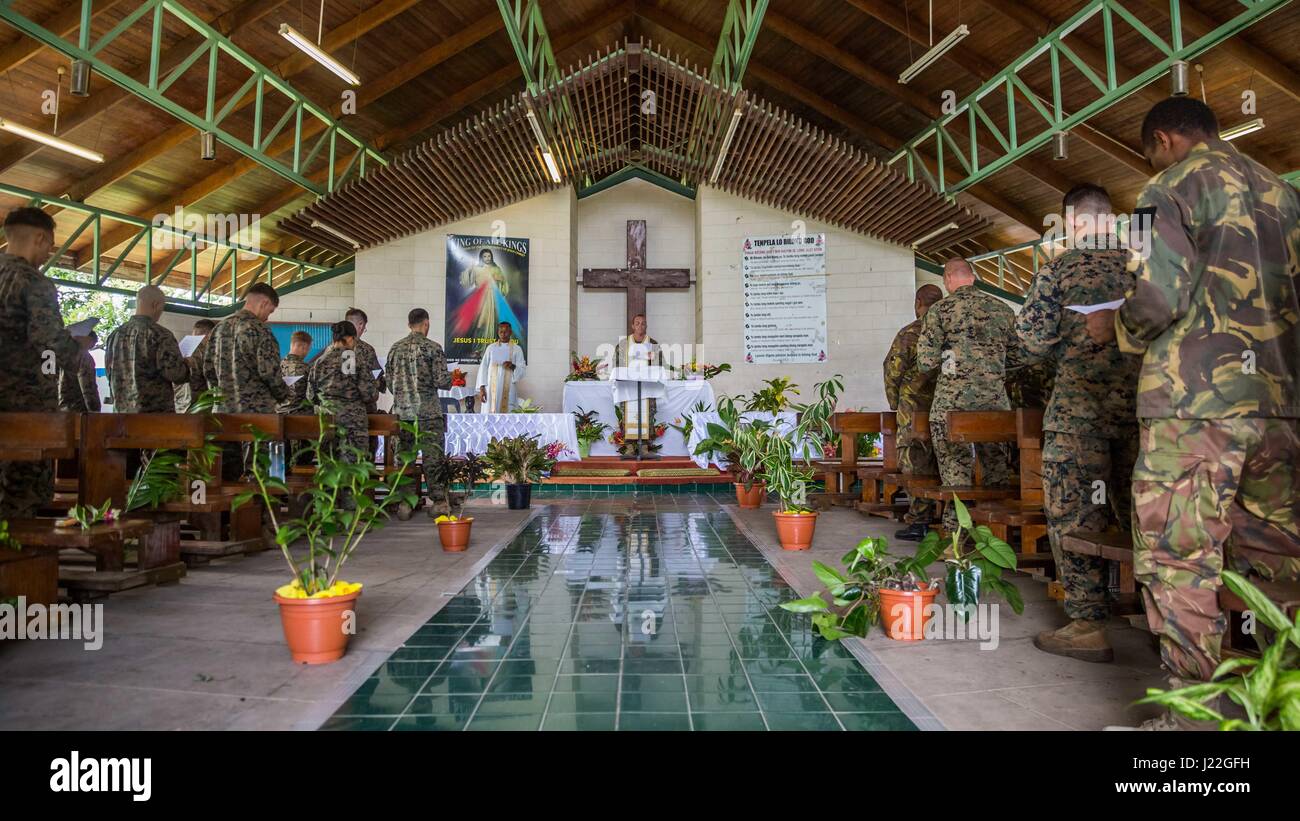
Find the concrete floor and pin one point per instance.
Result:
(208, 652)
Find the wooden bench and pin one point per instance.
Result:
(1025, 513)
(970, 428)
(839, 475)
(30, 574)
(1113, 546)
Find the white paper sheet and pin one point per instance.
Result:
(83, 327)
(289, 380)
(376, 373)
(1092, 309)
(189, 343)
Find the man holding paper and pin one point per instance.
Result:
(1215, 313)
(192, 348)
(501, 367)
(1089, 425)
(79, 389)
(143, 360)
(36, 345)
(638, 351)
(293, 368)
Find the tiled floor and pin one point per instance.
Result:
(662, 618)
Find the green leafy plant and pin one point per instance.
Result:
(447, 470)
(6, 538)
(776, 452)
(775, 398)
(164, 475)
(588, 426)
(976, 560)
(725, 437)
(1268, 689)
(855, 591)
(517, 459)
(687, 420)
(527, 406)
(330, 529)
(88, 515)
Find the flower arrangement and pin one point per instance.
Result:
(628, 447)
(588, 426)
(458, 378)
(583, 369)
(520, 459)
(695, 370)
(88, 515)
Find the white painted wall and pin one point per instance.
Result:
(602, 243)
(411, 272)
(870, 291)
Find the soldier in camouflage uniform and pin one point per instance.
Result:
(418, 369)
(338, 383)
(198, 383)
(143, 360)
(1031, 386)
(1089, 425)
(1216, 314)
(78, 388)
(908, 391)
(242, 362)
(33, 339)
(969, 337)
(295, 364)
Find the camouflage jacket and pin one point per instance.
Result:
(197, 384)
(242, 361)
(1096, 385)
(30, 325)
(418, 369)
(1031, 386)
(78, 387)
(1215, 309)
(295, 365)
(143, 361)
(367, 355)
(968, 336)
(332, 380)
(906, 388)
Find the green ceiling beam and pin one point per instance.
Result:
(1031, 122)
(532, 44)
(739, 32)
(301, 116)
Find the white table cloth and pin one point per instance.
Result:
(598, 395)
(471, 432)
(699, 432)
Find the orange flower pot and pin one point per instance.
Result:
(314, 628)
(455, 535)
(795, 530)
(751, 499)
(902, 612)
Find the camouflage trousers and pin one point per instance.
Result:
(1210, 493)
(436, 427)
(25, 487)
(916, 456)
(957, 463)
(1085, 487)
(351, 427)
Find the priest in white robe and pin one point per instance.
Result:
(500, 368)
(638, 420)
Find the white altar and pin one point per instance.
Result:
(471, 432)
(598, 395)
(784, 425)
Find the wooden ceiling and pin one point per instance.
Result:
(431, 65)
(599, 125)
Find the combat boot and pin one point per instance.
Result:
(1080, 639)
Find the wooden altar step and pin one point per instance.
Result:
(611, 470)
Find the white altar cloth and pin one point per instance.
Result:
(598, 395)
(699, 432)
(471, 432)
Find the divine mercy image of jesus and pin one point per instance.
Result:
(487, 284)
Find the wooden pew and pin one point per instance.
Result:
(1024, 513)
(972, 427)
(384, 426)
(64, 436)
(838, 475)
(888, 480)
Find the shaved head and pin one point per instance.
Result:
(957, 273)
(150, 301)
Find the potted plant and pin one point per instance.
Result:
(316, 606)
(518, 461)
(795, 521)
(589, 429)
(583, 369)
(872, 584)
(975, 560)
(1269, 689)
(445, 471)
(744, 463)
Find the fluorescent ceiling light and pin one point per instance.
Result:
(50, 140)
(318, 54)
(1242, 129)
(930, 57)
(323, 227)
(726, 146)
(551, 167)
(936, 232)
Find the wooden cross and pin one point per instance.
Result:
(636, 278)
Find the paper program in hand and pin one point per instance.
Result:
(1092, 309)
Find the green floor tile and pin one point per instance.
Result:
(654, 721)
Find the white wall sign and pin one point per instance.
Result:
(784, 279)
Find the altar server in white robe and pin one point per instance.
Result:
(500, 368)
(638, 421)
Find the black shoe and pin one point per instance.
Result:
(915, 533)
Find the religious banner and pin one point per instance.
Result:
(784, 281)
(487, 283)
